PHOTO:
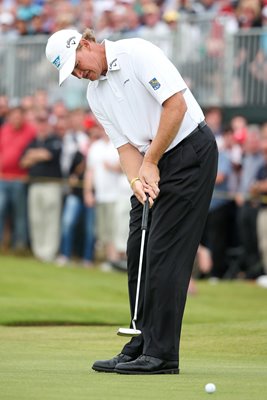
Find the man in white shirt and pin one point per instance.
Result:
(166, 151)
(103, 170)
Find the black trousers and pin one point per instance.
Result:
(176, 222)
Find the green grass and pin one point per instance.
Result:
(34, 293)
(224, 338)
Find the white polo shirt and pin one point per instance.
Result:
(128, 100)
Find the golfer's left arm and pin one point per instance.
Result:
(173, 111)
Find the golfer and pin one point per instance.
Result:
(166, 151)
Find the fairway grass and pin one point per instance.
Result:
(224, 338)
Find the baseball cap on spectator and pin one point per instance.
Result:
(264, 11)
(240, 135)
(6, 18)
(61, 51)
(89, 122)
(104, 5)
(171, 16)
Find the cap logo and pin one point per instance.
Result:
(70, 42)
(56, 62)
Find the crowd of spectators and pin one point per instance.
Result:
(111, 17)
(62, 193)
(64, 196)
(191, 32)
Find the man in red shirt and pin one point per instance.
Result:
(15, 134)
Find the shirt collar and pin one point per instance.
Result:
(111, 55)
(112, 58)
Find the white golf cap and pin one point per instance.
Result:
(61, 51)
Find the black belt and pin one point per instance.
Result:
(200, 126)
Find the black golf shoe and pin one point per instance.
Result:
(147, 365)
(109, 365)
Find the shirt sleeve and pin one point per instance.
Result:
(156, 72)
(116, 138)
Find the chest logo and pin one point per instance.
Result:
(154, 84)
(113, 64)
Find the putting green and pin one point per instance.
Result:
(55, 363)
(224, 338)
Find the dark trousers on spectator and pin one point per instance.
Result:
(247, 224)
(218, 233)
(13, 198)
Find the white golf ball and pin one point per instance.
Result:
(210, 388)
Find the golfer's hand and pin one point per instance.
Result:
(140, 192)
(149, 176)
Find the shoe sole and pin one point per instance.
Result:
(163, 371)
(99, 369)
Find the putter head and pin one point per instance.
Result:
(128, 332)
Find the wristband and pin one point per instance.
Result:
(133, 181)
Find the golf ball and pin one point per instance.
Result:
(210, 388)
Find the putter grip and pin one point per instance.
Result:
(145, 214)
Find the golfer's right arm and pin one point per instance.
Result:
(131, 160)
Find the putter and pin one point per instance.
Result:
(134, 331)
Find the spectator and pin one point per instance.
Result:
(74, 208)
(202, 267)
(186, 7)
(258, 66)
(153, 26)
(171, 18)
(48, 13)
(27, 103)
(206, 7)
(248, 15)
(26, 10)
(101, 189)
(77, 130)
(122, 210)
(248, 209)
(239, 125)
(85, 14)
(259, 189)
(40, 100)
(42, 158)
(219, 218)
(7, 25)
(59, 110)
(73, 139)
(214, 117)
(76, 143)
(4, 108)
(234, 151)
(15, 135)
